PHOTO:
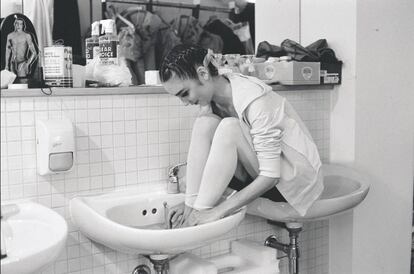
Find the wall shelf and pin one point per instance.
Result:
(143, 89)
(55, 91)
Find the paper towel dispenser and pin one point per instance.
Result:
(55, 146)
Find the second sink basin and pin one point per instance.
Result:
(33, 235)
(344, 189)
(132, 221)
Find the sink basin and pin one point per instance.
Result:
(132, 221)
(33, 236)
(344, 188)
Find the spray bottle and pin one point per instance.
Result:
(108, 43)
(92, 43)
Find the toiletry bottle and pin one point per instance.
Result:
(108, 43)
(92, 43)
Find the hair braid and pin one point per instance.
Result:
(182, 61)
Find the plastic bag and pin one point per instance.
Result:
(89, 69)
(7, 77)
(130, 44)
(113, 75)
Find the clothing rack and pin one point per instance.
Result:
(150, 3)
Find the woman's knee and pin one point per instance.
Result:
(229, 129)
(205, 126)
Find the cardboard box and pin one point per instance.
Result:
(289, 72)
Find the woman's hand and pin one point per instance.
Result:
(198, 217)
(178, 215)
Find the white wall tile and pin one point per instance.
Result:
(118, 114)
(13, 119)
(95, 142)
(81, 115)
(106, 115)
(94, 115)
(94, 128)
(122, 141)
(13, 134)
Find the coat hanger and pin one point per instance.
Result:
(126, 21)
(166, 24)
(127, 12)
(110, 12)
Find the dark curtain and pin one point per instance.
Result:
(66, 27)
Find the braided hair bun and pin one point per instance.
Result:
(183, 60)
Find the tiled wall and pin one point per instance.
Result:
(127, 140)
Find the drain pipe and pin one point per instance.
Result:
(142, 269)
(291, 249)
(160, 266)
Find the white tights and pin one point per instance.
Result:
(218, 151)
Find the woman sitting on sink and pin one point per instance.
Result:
(247, 137)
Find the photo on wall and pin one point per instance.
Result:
(20, 52)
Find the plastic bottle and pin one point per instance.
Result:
(92, 43)
(108, 43)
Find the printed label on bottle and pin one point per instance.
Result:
(91, 51)
(108, 51)
(57, 68)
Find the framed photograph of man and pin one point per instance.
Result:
(20, 52)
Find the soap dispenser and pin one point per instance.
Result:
(55, 146)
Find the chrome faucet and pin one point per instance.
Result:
(173, 185)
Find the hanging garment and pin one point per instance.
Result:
(130, 48)
(166, 40)
(242, 31)
(40, 12)
(211, 41)
(147, 26)
(231, 43)
(66, 27)
(188, 29)
(246, 15)
(130, 43)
